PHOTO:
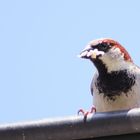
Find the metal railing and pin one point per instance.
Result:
(74, 127)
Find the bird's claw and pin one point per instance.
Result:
(86, 113)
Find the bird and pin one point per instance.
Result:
(116, 83)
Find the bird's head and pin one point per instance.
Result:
(107, 55)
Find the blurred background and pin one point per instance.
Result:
(40, 74)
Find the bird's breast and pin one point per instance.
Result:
(114, 83)
(122, 102)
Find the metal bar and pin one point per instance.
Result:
(75, 127)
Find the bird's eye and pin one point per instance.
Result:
(103, 47)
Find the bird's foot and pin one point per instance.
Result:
(86, 113)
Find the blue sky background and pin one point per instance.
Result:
(40, 75)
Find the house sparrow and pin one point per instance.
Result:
(116, 84)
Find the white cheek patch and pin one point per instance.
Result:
(114, 60)
(116, 54)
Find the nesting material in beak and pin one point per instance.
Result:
(90, 53)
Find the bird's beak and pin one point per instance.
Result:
(90, 53)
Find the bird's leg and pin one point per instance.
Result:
(85, 113)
